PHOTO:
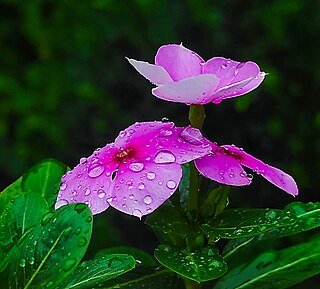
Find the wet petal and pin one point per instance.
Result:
(139, 192)
(272, 174)
(179, 61)
(223, 169)
(155, 74)
(139, 136)
(236, 78)
(193, 90)
(89, 182)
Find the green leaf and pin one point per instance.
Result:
(144, 278)
(141, 257)
(215, 202)
(20, 214)
(198, 265)
(9, 194)
(44, 178)
(52, 250)
(184, 186)
(275, 269)
(240, 223)
(99, 270)
(169, 225)
(307, 218)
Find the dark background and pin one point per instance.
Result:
(66, 88)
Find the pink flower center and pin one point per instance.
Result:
(123, 155)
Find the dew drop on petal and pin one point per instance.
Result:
(61, 202)
(250, 177)
(171, 184)
(137, 213)
(101, 194)
(109, 200)
(136, 167)
(129, 185)
(63, 186)
(83, 160)
(147, 199)
(165, 132)
(243, 175)
(96, 172)
(192, 135)
(141, 186)
(164, 157)
(131, 196)
(151, 176)
(87, 192)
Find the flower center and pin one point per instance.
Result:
(123, 155)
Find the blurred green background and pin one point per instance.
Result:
(66, 88)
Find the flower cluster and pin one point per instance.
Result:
(142, 168)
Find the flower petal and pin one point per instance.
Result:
(272, 174)
(193, 90)
(179, 61)
(223, 169)
(155, 74)
(89, 182)
(236, 78)
(139, 192)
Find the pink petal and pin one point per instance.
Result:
(155, 74)
(223, 169)
(193, 90)
(272, 174)
(90, 181)
(140, 189)
(140, 135)
(179, 61)
(185, 143)
(236, 78)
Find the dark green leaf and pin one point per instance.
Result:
(144, 278)
(169, 224)
(44, 178)
(275, 269)
(198, 265)
(99, 270)
(52, 250)
(9, 194)
(240, 223)
(215, 202)
(184, 185)
(20, 214)
(141, 257)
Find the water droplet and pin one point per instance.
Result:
(87, 192)
(89, 219)
(61, 202)
(46, 218)
(83, 161)
(164, 157)
(250, 177)
(96, 172)
(165, 119)
(171, 184)
(192, 135)
(141, 186)
(149, 210)
(79, 208)
(131, 196)
(243, 174)
(136, 167)
(69, 264)
(231, 175)
(101, 194)
(122, 134)
(82, 241)
(109, 200)
(129, 185)
(270, 215)
(63, 186)
(165, 132)
(147, 199)
(124, 206)
(78, 231)
(137, 213)
(151, 176)
(22, 263)
(31, 260)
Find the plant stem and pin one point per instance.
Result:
(196, 118)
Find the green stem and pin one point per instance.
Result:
(196, 118)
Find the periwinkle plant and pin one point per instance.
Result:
(158, 169)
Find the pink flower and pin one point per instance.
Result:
(183, 76)
(224, 165)
(136, 173)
